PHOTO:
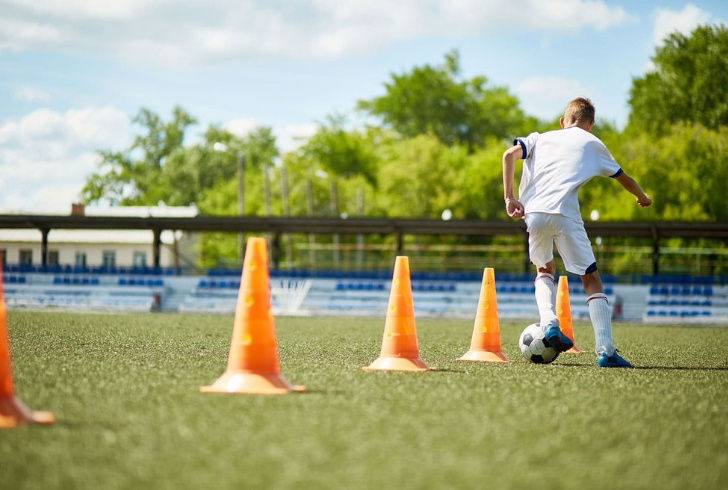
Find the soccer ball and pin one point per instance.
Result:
(535, 347)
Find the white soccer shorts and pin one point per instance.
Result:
(571, 240)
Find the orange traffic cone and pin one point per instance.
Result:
(563, 313)
(400, 351)
(485, 344)
(253, 361)
(12, 411)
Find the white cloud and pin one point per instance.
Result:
(291, 136)
(546, 97)
(241, 126)
(288, 136)
(32, 94)
(190, 32)
(683, 21)
(47, 155)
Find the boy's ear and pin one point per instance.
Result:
(561, 122)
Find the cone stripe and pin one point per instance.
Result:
(563, 312)
(253, 365)
(485, 344)
(400, 350)
(12, 411)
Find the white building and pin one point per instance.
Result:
(98, 248)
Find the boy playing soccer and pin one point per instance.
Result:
(557, 163)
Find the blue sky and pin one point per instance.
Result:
(73, 73)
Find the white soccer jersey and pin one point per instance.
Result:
(556, 165)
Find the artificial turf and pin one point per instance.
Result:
(125, 391)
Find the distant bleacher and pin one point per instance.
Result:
(69, 269)
(83, 292)
(664, 298)
(701, 303)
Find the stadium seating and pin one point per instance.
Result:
(662, 298)
(693, 301)
(83, 292)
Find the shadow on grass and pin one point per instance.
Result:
(684, 368)
(675, 368)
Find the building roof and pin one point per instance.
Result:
(100, 236)
(141, 237)
(116, 211)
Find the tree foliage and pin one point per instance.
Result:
(435, 99)
(689, 83)
(439, 146)
(158, 167)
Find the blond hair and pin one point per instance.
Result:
(579, 110)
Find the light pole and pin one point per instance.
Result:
(240, 169)
(241, 203)
(334, 210)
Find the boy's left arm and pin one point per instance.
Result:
(514, 208)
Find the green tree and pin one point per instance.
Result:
(435, 99)
(689, 83)
(340, 152)
(682, 171)
(158, 167)
(132, 177)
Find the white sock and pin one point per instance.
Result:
(546, 299)
(601, 317)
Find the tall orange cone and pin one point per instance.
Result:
(253, 360)
(563, 313)
(400, 351)
(13, 412)
(485, 344)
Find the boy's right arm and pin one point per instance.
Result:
(514, 208)
(634, 188)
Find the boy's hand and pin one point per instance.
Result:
(645, 201)
(514, 208)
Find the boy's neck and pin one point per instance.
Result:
(586, 126)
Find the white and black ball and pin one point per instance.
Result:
(534, 346)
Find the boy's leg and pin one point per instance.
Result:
(599, 312)
(540, 228)
(601, 317)
(545, 290)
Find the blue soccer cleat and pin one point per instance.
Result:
(557, 339)
(615, 360)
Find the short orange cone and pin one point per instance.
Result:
(253, 361)
(485, 344)
(563, 313)
(12, 411)
(400, 351)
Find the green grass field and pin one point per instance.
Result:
(125, 391)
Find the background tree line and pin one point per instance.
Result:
(437, 145)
